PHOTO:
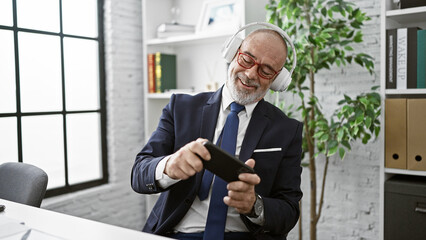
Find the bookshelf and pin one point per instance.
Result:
(199, 60)
(392, 17)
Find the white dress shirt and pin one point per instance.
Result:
(195, 219)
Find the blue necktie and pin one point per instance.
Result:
(216, 218)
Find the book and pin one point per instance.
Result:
(165, 71)
(174, 29)
(151, 73)
(411, 3)
(391, 59)
(406, 64)
(171, 34)
(421, 59)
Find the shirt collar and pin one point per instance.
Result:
(227, 100)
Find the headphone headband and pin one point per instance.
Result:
(283, 79)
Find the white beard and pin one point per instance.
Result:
(242, 96)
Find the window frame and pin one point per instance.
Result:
(102, 98)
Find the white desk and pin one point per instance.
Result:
(69, 227)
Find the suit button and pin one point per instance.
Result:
(187, 201)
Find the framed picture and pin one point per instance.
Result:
(220, 15)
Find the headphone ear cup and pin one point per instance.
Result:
(282, 81)
(230, 49)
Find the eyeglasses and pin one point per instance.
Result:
(247, 62)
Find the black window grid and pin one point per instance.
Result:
(102, 94)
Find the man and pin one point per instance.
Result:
(259, 206)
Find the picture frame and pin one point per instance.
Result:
(220, 15)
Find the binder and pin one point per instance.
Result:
(391, 59)
(406, 63)
(411, 3)
(396, 133)
(416, 134)
(421, 59)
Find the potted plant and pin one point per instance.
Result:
(324, 33)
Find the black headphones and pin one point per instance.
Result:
(231, 46)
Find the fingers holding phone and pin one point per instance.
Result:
(250, 178)
(241, 194)
(185, 163)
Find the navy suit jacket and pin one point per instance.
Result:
(187, 118)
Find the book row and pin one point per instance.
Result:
(409, 3)
(405, 58)
(405, 133)
(161, 72)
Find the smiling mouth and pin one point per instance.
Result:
(246, 84)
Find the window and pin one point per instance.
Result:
(52, 90)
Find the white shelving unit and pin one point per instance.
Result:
(199, 60)
(392, 17)
(198, 55)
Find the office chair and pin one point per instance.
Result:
(22, 183)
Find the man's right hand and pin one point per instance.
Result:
(185, 163)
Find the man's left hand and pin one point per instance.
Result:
(241, 194)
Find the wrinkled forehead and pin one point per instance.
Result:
(267, 37)
(266, 43)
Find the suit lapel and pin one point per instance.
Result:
(208, 124)
(259, 121)
(209, 115)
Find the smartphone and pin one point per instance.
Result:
(223, 164)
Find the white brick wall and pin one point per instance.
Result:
(351, 204)
(116, 203)
(351, 208)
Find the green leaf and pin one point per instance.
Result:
(317, 154)
(340, 133)
(323, 138)
(358, 37)
(318, 134)
(359, 119)
(367, 122)
(314, 29)
(355, 130)
(342, 153)
(324, 11)
(305, 164)
(341, 102)
(329, 30)
(345, 108)
(332, 151)
(366, 138)
(377, 131)
(332, 144)
(346, 144)
(347, 98)
(330, 13)
(349, 48)
(345, 42)
(364, 101)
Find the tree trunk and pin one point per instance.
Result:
(311, 148)
(313, 222)
(300, 221)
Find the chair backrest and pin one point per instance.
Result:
(22, 183)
